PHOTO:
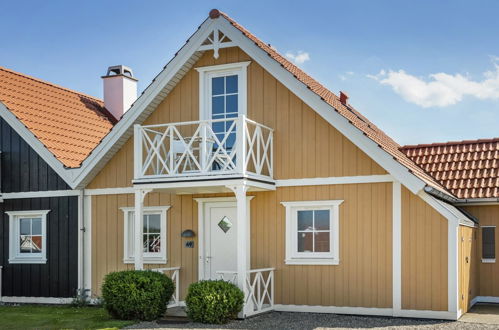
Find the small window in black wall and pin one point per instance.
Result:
(488, 243)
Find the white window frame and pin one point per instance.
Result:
(293, 257)
(148, 257)
(15, 255)
(208, 72)
(487, 260)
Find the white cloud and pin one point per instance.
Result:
(441, 89)
(345, 76)
(298, 58)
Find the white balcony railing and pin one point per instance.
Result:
(260, 289)
(237, 146)
(173, 273)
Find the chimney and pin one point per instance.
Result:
(120, 90)
(343, 98)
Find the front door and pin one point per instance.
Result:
(220, 233)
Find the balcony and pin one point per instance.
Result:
(203, 150)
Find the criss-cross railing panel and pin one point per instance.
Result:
(201, 148)
(259, 289)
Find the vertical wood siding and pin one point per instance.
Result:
(488, 215)
(424, 255)
(363, 278)
(468, 266)
(305, 145)
(59, 276)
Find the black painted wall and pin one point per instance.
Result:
(22, 169)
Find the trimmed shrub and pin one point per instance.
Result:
(136, 294)
(213, 301)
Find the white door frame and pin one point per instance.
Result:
(201, 232)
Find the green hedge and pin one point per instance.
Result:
(136, 294)
(214, 302)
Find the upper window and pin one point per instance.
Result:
(312, 232)
(153, 234)
(488, 244)
(28, 237)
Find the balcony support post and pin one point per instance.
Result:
(137, 151)
(243, 244)
(241, 145)
(140, 194)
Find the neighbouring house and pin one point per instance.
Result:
(235, 164)
(44, 130)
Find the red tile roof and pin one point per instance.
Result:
(68, 123)
(347, 111)
(468, 169)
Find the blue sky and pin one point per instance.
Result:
(423, 71)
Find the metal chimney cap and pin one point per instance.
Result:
(119, 70)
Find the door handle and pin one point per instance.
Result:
(208, 259)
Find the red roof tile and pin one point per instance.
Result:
(68, 123)
(347, 111)
(468, 169)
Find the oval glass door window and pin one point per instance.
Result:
(225, 224)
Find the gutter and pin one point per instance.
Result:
(450, 199)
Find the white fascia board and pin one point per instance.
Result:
(371, 148)
(132, 115)
(36, 144)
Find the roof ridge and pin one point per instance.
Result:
(50, 84)
(450, 143)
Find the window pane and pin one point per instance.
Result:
(321, 220)
(305, 220)
(231, 140)
(217, 86)
(219, 126)
(217, 105)
(322, 242)
(231, 82)
(36, 228)
(231, 104)
(488, 243)
(145, 223)
(36, 246)
(305, 242)
(154, 223)
(25, 226)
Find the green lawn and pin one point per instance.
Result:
(57, 317)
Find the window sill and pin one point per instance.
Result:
(28, 261)
(311, 261)
(150, 261)
(489, 261)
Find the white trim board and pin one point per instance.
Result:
(109, 191)
(36, 300)
(366, 311)
(334, 180)
(484, 299)
(397, 248)
(40, 194)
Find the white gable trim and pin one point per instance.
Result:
(135, 114)
(35, 143)
(397, 170)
